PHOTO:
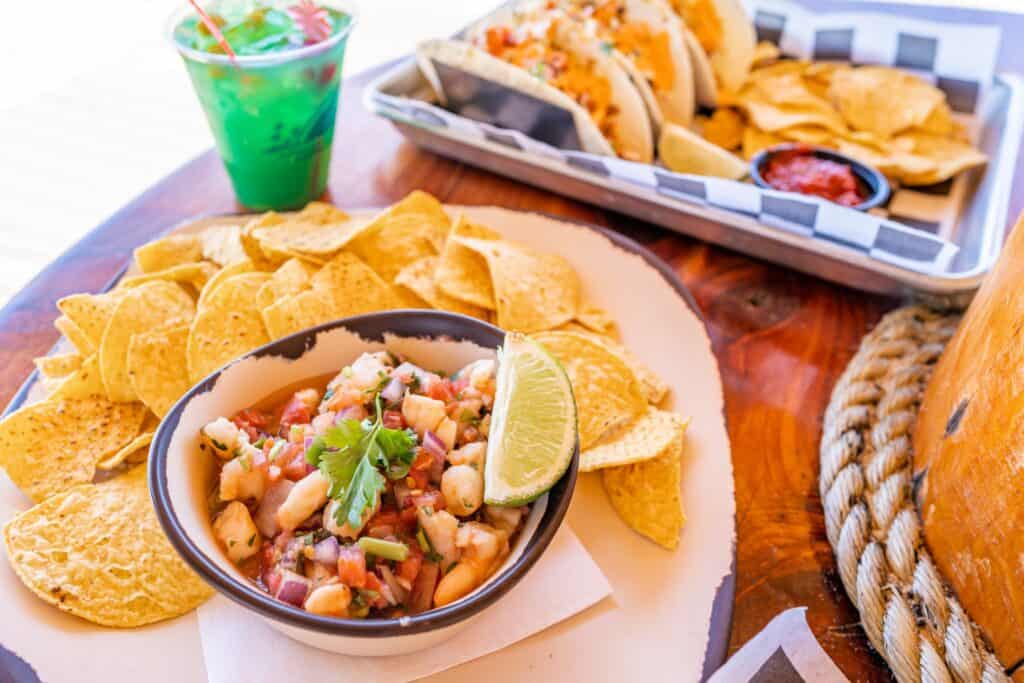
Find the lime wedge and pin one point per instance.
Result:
(533, 424)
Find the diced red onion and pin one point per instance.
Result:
(356, 412)
(394, 391)
(266, 513)
(322, 422)
(397, 591)
(307, 442)
(326, 552)
(432, 444)
(402, 493)
(293, 589)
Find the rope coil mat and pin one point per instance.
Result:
(910, 615)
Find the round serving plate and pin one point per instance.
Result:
(669, 616)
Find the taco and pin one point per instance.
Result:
(552, 60)
(646, 38)
(722, 43)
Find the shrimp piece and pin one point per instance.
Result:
(345, 530)
(440, 527)
(483, 548)
(331, 600)
(463, 489)
(505, 518)
(422, 414)
(241, 478)
(350, 386)
(472, 454)
(223, 437)
(305, 498)
(235, 529)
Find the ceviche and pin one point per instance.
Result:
(364, 499)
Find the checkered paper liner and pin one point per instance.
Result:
(912, 231)
(809, 217)
(958, 59)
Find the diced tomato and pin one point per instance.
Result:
(252, 422)
(271, 577)
(386, 516)
(423, 460)
(459, 385)
(297, 469)
(442, 391)
(392, 419)
(410, 566)
(352, 566)
(497, 38)
(374, 584)
(418, 479)
(295, 412)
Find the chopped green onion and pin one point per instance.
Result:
(389, 550)
(421, 538)
(260, 441)
(275, 450)
(315, 450)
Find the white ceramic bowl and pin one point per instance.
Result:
(181, 477)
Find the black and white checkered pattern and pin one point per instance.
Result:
(807, 217)
(932, 50)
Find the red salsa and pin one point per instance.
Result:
(799, 170)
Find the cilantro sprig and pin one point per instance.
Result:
(352, 454)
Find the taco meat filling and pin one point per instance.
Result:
(650, 51)
(702, 18)
(365, 499)
(578, 78)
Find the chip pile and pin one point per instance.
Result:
(196, 301)
(635, 445)
(885, 117)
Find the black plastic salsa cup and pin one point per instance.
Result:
(875, 182)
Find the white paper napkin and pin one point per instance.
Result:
(240, 646)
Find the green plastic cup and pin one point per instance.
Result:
(272, 115)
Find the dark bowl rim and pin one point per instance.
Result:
(868, 174)
(420, 323)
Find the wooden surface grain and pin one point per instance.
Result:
(781, 340)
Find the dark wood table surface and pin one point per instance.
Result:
(781, 339)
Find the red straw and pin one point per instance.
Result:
(215, 30)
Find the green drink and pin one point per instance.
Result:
(271, 103)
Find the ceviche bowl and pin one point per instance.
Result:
(186, 482)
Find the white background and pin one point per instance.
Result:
(95, 107)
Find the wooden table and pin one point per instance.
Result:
(781, 339)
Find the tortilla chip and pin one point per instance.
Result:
(883, 100)
(222, 244)
(58, 365)
(418, 279)
(533, 290)
(227, 326)
(236, 268)
(91, 313)
(949, 157)
(755, 140)
(765, 53)
(140, 442)
(50, 446)
(145, 308)
(84, 382)
(74, 334)
(462, 273)
(596, 319)
(724, 128)
(158, 367)
(640, 440)
(97, 551)
(654, 387)
(408, 231)
(646, 496)
(254, 249)
(608, 395)
(169, 251)
(292, 277)
(320, 230)
(195, 274)
(295, 313)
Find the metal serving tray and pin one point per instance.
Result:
(977, 234)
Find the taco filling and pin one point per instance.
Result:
(701, 17)
(575, 76)
(649, 51)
